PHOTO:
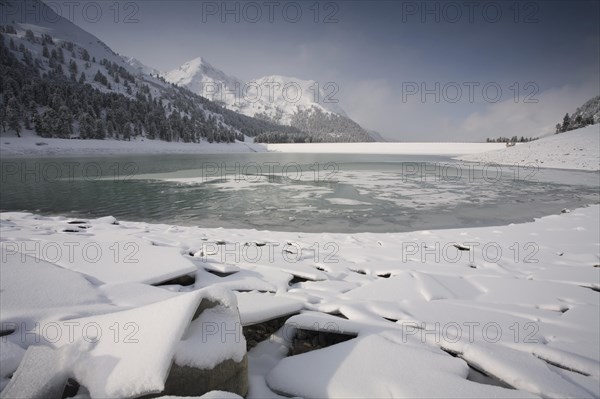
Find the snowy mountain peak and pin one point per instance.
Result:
(201, 77)
(140, 66)
(274, 97)
(194, 66)
(197, 62)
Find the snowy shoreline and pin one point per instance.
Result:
(31, 145)
(523, 298)
(574, 150)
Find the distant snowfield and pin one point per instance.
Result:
(462, 312)
(577, 149)
(448, 149)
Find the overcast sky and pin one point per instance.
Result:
(542, 55)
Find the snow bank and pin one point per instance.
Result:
(577, 149)
(31, 145)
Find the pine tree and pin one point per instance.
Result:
(13, 115)
(127, 132)
(73, 67)
(3, 119)
(64, 127)
(110, 129)
(101, 78)
(45, 52)
(100, 130)
(86, 126)
(38, 125)
(566, 123)
(29, 36)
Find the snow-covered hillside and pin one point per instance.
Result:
(87, 50)
(41, 19)
(590, 109)
(64, 82)
(576, 149)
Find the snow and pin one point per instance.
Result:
(118, 258)
(10, 356)
(450, 149)
(345, 201)
(208, 395)
(129, 352)
(510, 365)
(528, 318)
(256, 308)
(576, 149)
(376, 367)
(30, 145)
(42, 373)
(23, 275)
(40, 18)
(214, 336)
(278, 97)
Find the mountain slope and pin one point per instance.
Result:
(202, 78)
(304, 104)
(587, 114)
(62, 81)
(577, 149)
(589, 111)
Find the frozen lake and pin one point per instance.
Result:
(293, 192)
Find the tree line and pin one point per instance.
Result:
(513, 139)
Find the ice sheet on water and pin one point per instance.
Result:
(131, 350)
(33, 290)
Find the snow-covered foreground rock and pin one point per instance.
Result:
(576, 149)
(507, 311)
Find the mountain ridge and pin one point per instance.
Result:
(276, 98)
